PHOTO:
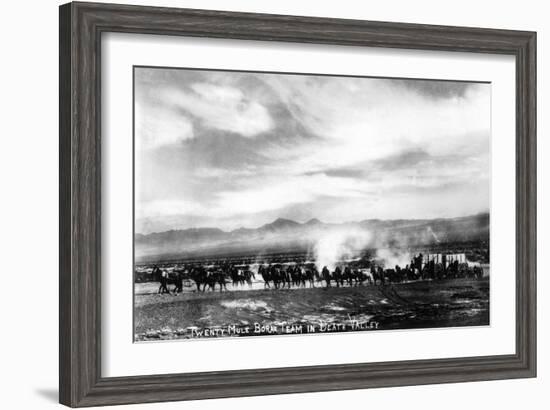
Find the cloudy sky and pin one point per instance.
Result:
(232, 149)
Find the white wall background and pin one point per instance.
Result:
(28, 206)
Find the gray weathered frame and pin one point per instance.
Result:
(81, 26)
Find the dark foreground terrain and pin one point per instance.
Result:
(423, 304)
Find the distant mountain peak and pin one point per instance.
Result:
(313, 221)
(241, 230)
(285, 233)
(281, 223)
(283, 220)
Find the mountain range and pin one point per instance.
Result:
(285, 234)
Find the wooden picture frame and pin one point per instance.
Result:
(81, 27)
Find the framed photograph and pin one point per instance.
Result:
(259, 204)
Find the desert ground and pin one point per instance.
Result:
(255, 311)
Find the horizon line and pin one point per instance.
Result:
(310, 220)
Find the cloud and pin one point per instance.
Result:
(278, 193)
(221, 107)
(436, 89)
(238, 148)
(218, 94)
(158, 126)
(156, 208)
(172, 106)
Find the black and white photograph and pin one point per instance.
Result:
(283, 203)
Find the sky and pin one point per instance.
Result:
(236, 149)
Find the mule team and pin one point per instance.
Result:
(279, 276)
